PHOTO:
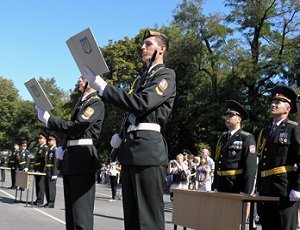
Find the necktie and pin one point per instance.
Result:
(228, 135)
(274, 126)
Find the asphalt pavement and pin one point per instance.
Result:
(16, 214)
(20, 213)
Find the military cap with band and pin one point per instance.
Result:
(151, 33)
(55, 136)
(23, 141)
(44, 134)
(285, 94)
(235, 108)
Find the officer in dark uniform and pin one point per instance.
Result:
(236, 158)
(23, 157)
(39, 166)
(51, 171)
(143, 153)
(279, 172)
(13, 163)
(80, 159)
(3, 163)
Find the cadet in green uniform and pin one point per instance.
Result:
(143, 153)
(236, 158)
(279, 170)
(39, 166)
(79, 159)
(51, 171)
(13, 164)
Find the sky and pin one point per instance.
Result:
(34, 33)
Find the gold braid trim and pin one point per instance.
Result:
(261, 143)
(218, 148)
(132, 88)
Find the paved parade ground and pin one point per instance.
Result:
(107, 215)
(19, 215)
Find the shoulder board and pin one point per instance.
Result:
(292, 122)
(245, 133)
(96, 97)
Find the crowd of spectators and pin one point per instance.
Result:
(189, 171)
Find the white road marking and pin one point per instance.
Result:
(38, 210)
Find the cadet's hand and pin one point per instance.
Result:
(59, 153)
(42, 115)
(115, 141)
(53, 177)
(294, 195)
(96, 82)
(25, 169)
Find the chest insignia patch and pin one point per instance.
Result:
(252, 148)
(88, 113)
(162, 86)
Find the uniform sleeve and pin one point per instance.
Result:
(54, 168)
(296, 150)
(250, 166)
(27, 159)
(155, 93)
(86, 117)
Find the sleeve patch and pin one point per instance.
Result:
(88, 113)
(252, 149)
(162, 86)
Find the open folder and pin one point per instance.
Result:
(86, 53)
(38, 94)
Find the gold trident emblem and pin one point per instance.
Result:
(86, 46)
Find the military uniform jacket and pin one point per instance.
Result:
(86, 122)
(237, 156)
(23, 159)
(13, 159)
(51, 163)
(39, 163)
(282, 148)
(4, 161)
(152, 103)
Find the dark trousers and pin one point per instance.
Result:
(113, 185)
(280, 215)
(13, 176)
(143, 190)
(50, 190)
(79, 192)
(40, 188)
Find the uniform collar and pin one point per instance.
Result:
(278, 122)
(87, 95)
(233, 131)
(156, 66)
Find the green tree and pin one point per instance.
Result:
(267, 29)
(27, 125)
(57, 96)
(9, 100)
